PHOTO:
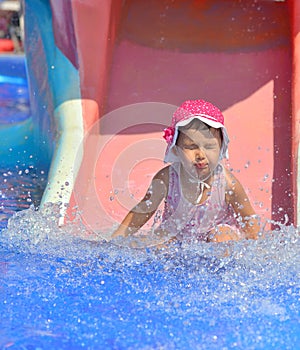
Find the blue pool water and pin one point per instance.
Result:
(60, 290)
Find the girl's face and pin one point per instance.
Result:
(199, 151)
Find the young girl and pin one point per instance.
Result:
(203, 201)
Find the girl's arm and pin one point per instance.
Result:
(237, 197)
(144, 210)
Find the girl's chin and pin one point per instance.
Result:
(202, 171)
(198, 174)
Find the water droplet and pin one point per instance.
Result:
(266, 176)
(247, 165)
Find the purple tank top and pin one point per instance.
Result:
(190, 221)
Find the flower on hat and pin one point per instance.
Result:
(169, 134)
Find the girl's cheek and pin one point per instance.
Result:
(213, 156)
(188, 154)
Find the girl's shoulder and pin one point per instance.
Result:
(163, 174)
(160, 181)
(231, 181)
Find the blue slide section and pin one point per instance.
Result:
(55, 100)
(52, 77)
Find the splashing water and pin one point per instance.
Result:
(62, 288)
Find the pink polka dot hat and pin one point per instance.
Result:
(189, 110)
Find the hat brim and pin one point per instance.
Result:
(206, 119)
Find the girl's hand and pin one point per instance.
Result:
(165, 245)
(224, 233)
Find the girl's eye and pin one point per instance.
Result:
(190, 147)
(210, 146)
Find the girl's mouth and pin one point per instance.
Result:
(200, 165)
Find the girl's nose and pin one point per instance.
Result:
(200, 154)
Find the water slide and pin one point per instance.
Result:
(106, 75)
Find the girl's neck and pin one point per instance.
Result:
(194, 190)
(189, 180)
